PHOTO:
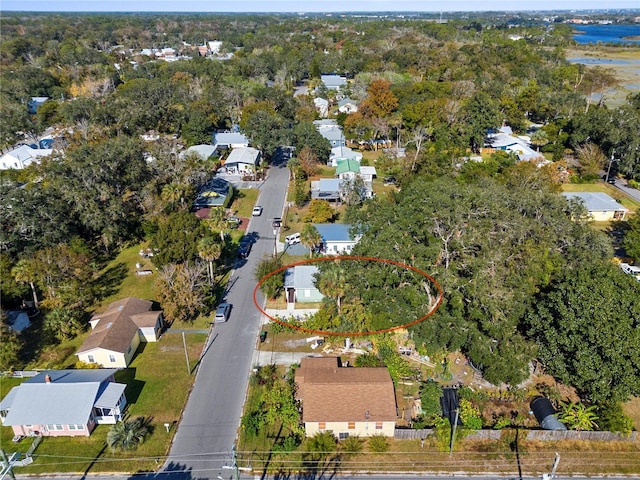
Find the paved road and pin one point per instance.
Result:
(207, 430)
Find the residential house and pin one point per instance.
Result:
(517, 145)
(64, 403)
(347, 169)
(346, 105)
(22, 157)
(214, 46)
(346, 401)
(368, 173)
(17, 320)
(333, 82)
(343, 153)
(329, 189)
(229, 140)
(322, 106)
(601, 207)
(117, 332)
(330, 130)
(336, 238)
(203, 151)
(217, 192)
(300, 284)
(244, 160)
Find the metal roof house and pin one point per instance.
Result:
(347, 401)
(22, 157)
(64, 403)
(601, 207)
(217, 192)
(242, 160)
(230, 140)
(333, 82)
(336, 238)
(300, 284)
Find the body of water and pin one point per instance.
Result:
(612, 33)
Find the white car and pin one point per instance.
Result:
(257, 211)
(631, 270)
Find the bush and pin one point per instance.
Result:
(352, 444)
(613, 419)
(378, 443)
(470, 415)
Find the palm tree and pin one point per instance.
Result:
(210, 250)
(310, 237)
(24, 272)
(128, 435)
(331, 282)
(217, 221)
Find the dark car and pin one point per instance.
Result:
(390, 181)
(277, 222)
(244, 249)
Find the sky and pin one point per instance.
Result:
(307, 6)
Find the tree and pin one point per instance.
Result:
(587, 333)
(320, 211)
(272, 286)
(128, 435)
(182, 290)
(591, 159)
(380, 101)
(63, 323)
(209, 250)
(631, 240)
(24, 272)
(331, 281)
(10, 347)
(310, 237)
(176, 238)
(308, 161)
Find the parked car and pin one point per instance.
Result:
(292, 239)
(631, 270)
(234, 222)
(222, 312)
(257, 211)
(245, 248)
(277, 222)
(390, 181)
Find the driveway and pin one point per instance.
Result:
(207, 431)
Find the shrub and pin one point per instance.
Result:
(352, 444)
(378, 443)
(613, 419)
(470, 415)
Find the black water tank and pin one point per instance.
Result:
(546, 414)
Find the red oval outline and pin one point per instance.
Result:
(349, 257)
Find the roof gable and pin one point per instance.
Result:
(337, 394)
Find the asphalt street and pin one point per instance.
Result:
(207, 430)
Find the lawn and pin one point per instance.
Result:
(157, 386)
(243, 202)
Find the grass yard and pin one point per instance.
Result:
(243, 202)
(157, 386)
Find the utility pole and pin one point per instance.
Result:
(610, 162)
(6, 466)
(453, 433)
(186, 353)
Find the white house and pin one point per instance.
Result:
(242, 160)
(203, 151)
(336, 238)
(346, 401)
(322, 106)
(22, 157)
(330, 130)
(343, 153)
(333, 82)
(230, 140)
(346, 105)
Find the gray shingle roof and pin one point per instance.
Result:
(596, 201)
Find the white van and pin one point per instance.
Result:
(292, 239)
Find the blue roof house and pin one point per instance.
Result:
(336, 238)
(64, 403)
